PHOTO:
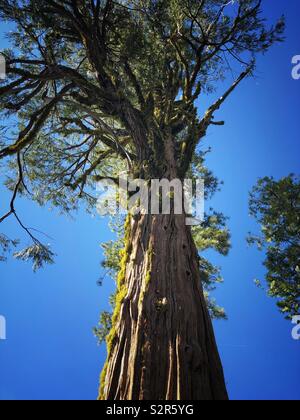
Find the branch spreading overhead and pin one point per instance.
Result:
(97, 87)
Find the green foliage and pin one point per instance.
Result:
(107, 328)
(95, 88)
(113, 258)
(216, 312)
(276, 207)
(39, 255)
(116, 254)
(6, 246)
(104, 327)
(199, 170)
(213, 234)
(112, 250)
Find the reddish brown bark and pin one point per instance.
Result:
(164, 347)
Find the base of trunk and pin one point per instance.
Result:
(162, 345)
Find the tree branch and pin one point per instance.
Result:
(207, 120)
(34, 126)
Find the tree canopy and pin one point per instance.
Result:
(276, 207)
(95, 87)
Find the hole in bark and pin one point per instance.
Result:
(165, 227)
(184, 246)
(188, 273)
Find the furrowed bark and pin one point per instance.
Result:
(162, 345)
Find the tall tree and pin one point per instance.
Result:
(92, 82)
(211, 234)
(276, 207)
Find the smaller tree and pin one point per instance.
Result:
(276, 206)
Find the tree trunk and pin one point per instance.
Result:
(162, 345)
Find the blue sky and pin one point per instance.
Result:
(50, 352)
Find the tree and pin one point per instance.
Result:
(212, 234)
(92, 85)
(276, 207)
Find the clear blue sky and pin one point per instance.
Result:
(51, 353)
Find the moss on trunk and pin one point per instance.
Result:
(162, 345)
